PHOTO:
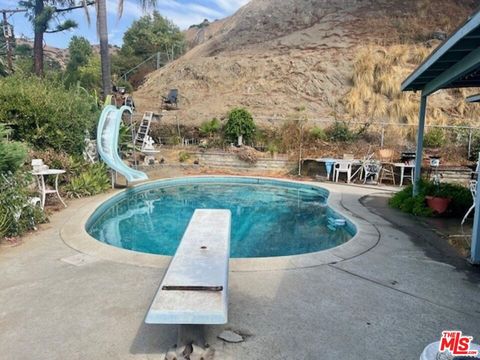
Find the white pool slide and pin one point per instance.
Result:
(107, 143)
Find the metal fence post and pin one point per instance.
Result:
(383, 136)
(469, 142)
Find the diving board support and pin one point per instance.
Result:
(194, 289)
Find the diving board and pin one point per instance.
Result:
(194, 289)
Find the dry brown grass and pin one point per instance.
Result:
(376, 97)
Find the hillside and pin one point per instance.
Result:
(275, 57)
(58, 54)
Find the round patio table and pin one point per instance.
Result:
(40, 175)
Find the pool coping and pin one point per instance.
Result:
(74, 234)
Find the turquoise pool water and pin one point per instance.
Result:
(269, 217)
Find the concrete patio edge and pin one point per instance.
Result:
(74, 234)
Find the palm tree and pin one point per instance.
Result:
(103, 36)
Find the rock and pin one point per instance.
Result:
(230, 336)
(199, 353)
(171, 354)
(439, 35)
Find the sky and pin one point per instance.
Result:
(182, 12)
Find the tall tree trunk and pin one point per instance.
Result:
(104, 53)
(38, 40)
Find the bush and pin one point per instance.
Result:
(91, 181)
(272, 148)
(12, 154)
(240, 123)
(17, 214)
(340, 132)
(460, 195)
(183, 156)
(210, 128)
(434, 138)
(318, 133)
(404, 201)
(475, 149)
(45, 114)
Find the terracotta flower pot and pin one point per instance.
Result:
(438, 204)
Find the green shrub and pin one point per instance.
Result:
(317, 133)
(475, 146)
(210, 128)
(12, 154)
(45, 114)
(434, 138)
(460, 195)
(17, 214)
(91, 181)
(340, 132)
(183, 156)
(240, 123)
(404, 201)
(272, 148)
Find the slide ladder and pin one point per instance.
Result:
(107, 143)
(143, 129)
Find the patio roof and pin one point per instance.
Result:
(454, 64)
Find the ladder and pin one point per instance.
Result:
(143, 129)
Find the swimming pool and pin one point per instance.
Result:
(269, 217)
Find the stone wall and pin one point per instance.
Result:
(227, 160)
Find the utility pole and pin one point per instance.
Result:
(8, 35)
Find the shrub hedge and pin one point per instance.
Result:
(45, 114)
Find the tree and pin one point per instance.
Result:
(89, 74)
(146, 37)
(240, 125)
(42, 13)
(151, 34)
(80, 52)
(102, 30)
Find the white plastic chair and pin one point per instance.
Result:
(342, 167)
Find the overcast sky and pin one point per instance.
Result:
(182, 12)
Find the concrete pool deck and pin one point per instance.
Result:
(388, 302)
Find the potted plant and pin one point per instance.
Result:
(437, 196)
(437, 203)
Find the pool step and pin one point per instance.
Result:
(334, 223)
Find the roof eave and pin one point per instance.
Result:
(471, 24)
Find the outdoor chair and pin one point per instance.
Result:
(371, 169)
(359, 172)
(388, 168)
(473, 190)
(342, 167)
(171, 98)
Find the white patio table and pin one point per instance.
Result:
(40, 175)
(404, 166)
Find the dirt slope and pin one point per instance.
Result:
(274, 57)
